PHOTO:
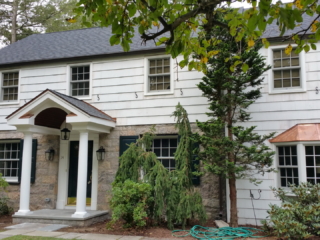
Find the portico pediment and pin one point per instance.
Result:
(51, 109)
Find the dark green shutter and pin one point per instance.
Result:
(125, 141)
(33, 160)
(195, 166)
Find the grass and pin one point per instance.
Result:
(21, 237)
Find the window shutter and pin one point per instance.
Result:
(195, 164)
(33, 160)
(125, 141)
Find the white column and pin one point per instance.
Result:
(82, 176)
(25, 175)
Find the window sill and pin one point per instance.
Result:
(9, 103)
(82, 97)
(158, 93)
(287, 90)
(11, 181)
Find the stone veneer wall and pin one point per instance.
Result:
(209, 187)
(46, 183)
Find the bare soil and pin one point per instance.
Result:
(5, 221)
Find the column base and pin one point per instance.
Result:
(80, 215)
(23, 212)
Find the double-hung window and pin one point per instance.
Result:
(80, 80)
(286, 69)
(288, 165)
(10, 83)
(158, 76)
(164, 148)
(9, 160)
(312, 154)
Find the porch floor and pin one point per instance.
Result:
(60, 216)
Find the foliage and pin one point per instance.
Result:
(230, 91)
(4, 208)
(178, 23)
(172, 191)
(130, 201)
(298, 217)
(22, 18)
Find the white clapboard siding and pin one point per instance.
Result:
(118, 73)
(117, 64)
(42, 71)
(128, 80)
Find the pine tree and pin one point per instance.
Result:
(173, 193)
(229, 149)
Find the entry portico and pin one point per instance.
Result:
(48, 113)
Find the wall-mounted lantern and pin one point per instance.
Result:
(49, 154)
(65, 134)
(101, 152)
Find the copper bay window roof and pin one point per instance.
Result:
(299, 132)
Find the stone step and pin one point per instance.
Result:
(221, 224)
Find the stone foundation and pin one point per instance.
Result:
(46, 183)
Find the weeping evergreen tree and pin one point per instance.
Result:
(173, 194)
(231, 84)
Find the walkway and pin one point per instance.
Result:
(49, 230)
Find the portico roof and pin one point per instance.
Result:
(299, 132)
(50, 109)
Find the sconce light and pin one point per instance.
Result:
(65, 134)
(101, 152)
(49, 154)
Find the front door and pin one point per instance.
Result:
(73, 172)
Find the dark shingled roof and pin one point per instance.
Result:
(68, 44)
(84, 106)
(89, 42)
(81, 105)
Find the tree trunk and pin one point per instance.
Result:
(14, 21)
(232, 175)
(233, 202)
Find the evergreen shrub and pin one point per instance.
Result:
(4, 207)
(131, 201)
(298, 217)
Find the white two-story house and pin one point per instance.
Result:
(74, 83)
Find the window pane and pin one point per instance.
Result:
(296, 181)
(278, 83)
(309, 150)
(286, 73)
(281, 161)
(283, 182)
(295, 62)
(277, 74)
(276, 54)
(152, 63)
(289, 172)
(280, 150)
(286, 62)
(294, 161)
(296, 82)
(295, 172)
(173, 142)
(277, 63)
(165, 142)
(288, 161)
(157, 152)
(165, 152)
(309, 161)
(286, 83)
(317, 161)
(283, 172)
(165, 162)
(156, 142)
(310, 172)
(310, 180)
(172, 151)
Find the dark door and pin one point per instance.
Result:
(73, 172)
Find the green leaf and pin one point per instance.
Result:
(132, 10)
(245, 67)
(306, 48)
(114, 40)
(313, 46)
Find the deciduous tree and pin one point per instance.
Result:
(178, 23)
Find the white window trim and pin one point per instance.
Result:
(68, 87)
(11, 179)
(13, 102)
(301, 158)
(302, 64)
(146, 77)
